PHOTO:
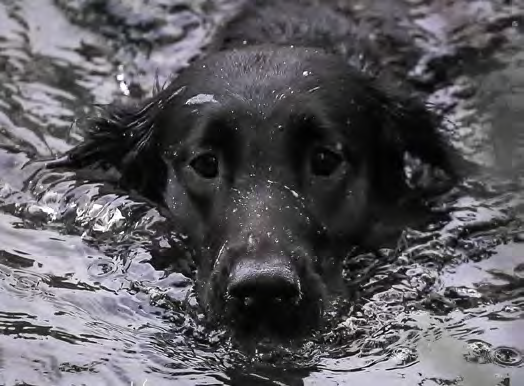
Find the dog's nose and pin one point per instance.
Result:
(270, 280)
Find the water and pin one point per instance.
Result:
(96, 290)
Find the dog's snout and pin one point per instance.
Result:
(270, 280)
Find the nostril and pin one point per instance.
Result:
(272, 280)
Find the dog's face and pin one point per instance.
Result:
(275, 162)
(270, 166)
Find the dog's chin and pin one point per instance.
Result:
(261, 318)
(274, 318)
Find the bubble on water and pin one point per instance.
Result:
(102, 268)
(506, 356)
(519, 271)
(404, 356)
(478, 351)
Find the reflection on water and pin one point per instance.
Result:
(81, 302)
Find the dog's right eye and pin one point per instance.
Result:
(205, 165)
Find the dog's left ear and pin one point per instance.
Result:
(121, 141)
(419, 132)
(410, 127)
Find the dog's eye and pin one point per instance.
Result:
(325, 162)
(206, 165)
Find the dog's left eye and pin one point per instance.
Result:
(325, 162)
(206, 165)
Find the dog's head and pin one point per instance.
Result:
(275, 161)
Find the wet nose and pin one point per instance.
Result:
(270, 280)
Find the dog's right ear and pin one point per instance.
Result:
(122, 140)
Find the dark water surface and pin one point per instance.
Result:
(80, 303)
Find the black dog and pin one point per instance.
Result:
(275, 155)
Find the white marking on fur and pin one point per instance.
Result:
(200, 99)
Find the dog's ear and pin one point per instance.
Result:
(122, 139)
(411, 128)
(418, 129)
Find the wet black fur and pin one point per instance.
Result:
(133, 141)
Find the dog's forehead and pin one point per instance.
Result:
(266, 73)
(257, 89)
(268, 80)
